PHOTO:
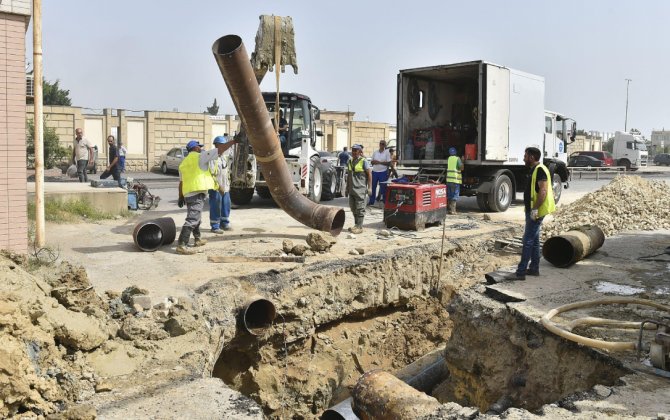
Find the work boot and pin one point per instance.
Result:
(453, 207)
(356, 229)
(184, 235)
(218, 231)
(182, 249)
(200, 242)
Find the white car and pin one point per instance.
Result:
(170, 161)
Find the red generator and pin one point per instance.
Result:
(413, 206)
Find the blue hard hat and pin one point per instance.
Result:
(220, 140)
(452, 151)
(357, 146)
(193, 143)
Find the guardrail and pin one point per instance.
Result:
(582, 170)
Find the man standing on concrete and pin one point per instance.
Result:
(381, 159)
(219, 198)
(359, 183)
(113, 168)
(454, 180)
(82, 154)
(195, 181)
(538, 200)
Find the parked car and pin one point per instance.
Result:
(328, 157)
(170, 161)
(605, 157)
(662, 159)
(584, 161)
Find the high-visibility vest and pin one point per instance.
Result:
(453, 173)
(549, 205)
(358, 167)
(192, 177)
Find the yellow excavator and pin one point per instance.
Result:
(294, 118)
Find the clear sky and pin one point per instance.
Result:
(156, 55)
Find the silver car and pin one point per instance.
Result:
(170, 161)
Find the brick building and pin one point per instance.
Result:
(14, 19)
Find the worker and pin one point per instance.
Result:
(113, 169)
(393, 173)
(454, 180)
(538, 198)
(219, 198)
(283, 128)
(195, 181)
(343, 157)
(82, 154)
(359, 184)
(381, 159)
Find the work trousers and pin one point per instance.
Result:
(81, 170)
(194, 206)
(219, 209)
(531, 246)
(378, 178)
(114, 173)
(357, 206)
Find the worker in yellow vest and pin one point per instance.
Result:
(454, 180)
(538, 197)
(195, 180)
(359, 186)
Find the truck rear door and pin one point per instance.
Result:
(496, 112)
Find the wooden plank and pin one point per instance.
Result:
(261, 258)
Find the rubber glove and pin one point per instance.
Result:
(180, 203)
(534, 214)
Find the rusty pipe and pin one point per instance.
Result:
(233, 61)
(150, 235)
(572, 246)
(380, 395)
(257, 314)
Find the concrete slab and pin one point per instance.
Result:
(108, 200)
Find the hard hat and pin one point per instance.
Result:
(452, 151)
(193, 143)
(220, 140)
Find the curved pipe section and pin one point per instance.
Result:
(233, 61)
(572, 246)
(150, 235)
(257, 315)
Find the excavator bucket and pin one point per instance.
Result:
(275, 44)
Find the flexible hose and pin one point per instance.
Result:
(599, 344)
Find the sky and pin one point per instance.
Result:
(156, 55)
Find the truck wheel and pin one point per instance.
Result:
(483, 202)
(241, 196)
(557, 186)
(329, 183)
(624, 162)
(264, 192)
(315, 181)
(501, 194)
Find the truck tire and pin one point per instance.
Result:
(557, 187)
(315, 180)
(329, 184)
(501, 194)
(241, 196)
(483, 202)
(624, 162)
(264, 192)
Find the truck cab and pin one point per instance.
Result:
(629, 150)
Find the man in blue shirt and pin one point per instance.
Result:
(343, 157)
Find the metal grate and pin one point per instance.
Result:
(426, 198)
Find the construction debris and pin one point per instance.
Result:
(626, 203)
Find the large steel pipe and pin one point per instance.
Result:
(380, 395)
(150, 235)
(257, 315)
(233, 61)
(572, 246)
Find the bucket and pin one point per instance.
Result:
(471, 151)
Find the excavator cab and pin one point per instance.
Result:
(297, 120)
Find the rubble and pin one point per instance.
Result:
(626, 203)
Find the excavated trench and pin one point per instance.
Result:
(338, 320)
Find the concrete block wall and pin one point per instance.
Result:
(13, 201)
(172, 129)
(368, 134)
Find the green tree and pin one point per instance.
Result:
(213, 110)
(609, 145)
(53, 151)
(53, 95)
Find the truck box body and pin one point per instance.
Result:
(490, 114)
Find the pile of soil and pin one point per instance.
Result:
(626, 203)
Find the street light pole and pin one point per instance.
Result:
(625, 125)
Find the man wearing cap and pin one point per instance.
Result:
(381, 159)
(359, 183)
(195, 181)
(219, 198)
(454, 180)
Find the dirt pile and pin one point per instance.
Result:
(626, 203)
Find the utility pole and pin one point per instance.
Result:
(38, 137)
(348, 127)
(625, 125)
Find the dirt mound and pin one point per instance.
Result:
(626, 203)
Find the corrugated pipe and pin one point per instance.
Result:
(572, 246)
(257, 315)
(150, 235)
(233, 61)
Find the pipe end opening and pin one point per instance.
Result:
(559, 251)
(149, 237)
(258, 316)
(226, 44)
(338, 223)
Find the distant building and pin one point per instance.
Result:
(660, 141)
(590, 141)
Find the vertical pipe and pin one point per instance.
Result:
(38, 134)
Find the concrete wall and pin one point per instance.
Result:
(14, 16)
(583, 142)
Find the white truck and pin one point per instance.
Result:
(629, 150)
(490, 114)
